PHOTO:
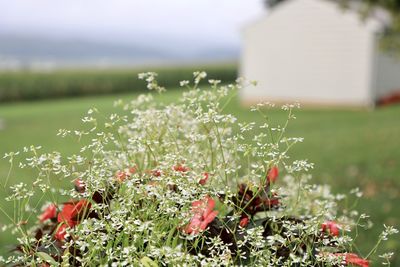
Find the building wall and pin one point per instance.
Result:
(387, 74)
(309, 51)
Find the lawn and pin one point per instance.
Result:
(349, 148)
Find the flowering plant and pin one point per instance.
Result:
(182, 184)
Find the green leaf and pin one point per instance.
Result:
(47, 258)
(170, 237)
(147, 262)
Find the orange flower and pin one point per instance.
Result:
(203, 215)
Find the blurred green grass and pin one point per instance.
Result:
(349, 148)
(34, 84)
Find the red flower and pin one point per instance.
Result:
(353, 259)
(272, 174)
(61, 232)
(72, 212)
(203, 215)
(156, 173)
(121, 176)
(203, 181)
(356, 260)
(180, 168)
(332, 227)
(244, 221)
(132, 170)
(49, 213)
(271, 202)
(80, 186)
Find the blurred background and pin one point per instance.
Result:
(52, 34)
(60, 58)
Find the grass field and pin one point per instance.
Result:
(349, 148)
(61, 83)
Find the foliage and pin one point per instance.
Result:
(393, 6)
(272, 3)
(33, 85)
(391, 40)
(173, 185)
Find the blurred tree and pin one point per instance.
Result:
(271, 3)
(391, 40)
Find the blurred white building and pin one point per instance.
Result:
(316, 52)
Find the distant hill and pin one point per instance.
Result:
(25, 50)
(33, 48)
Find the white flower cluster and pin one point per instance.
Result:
(150, 163)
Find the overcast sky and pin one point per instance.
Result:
(124, 20)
